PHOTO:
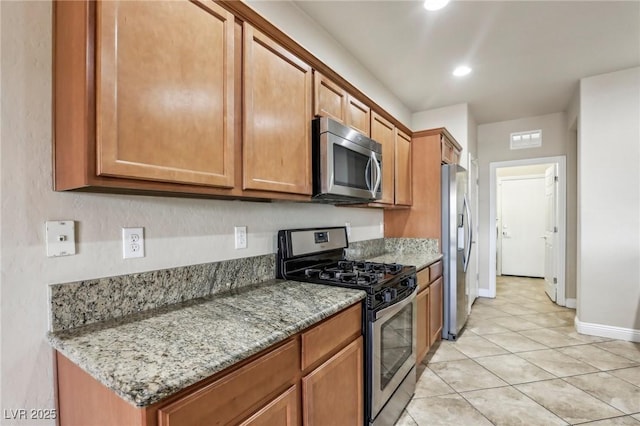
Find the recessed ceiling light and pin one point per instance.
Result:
(462, 70)
(435, 4)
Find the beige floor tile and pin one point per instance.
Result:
(477, 346)
(629, 350)
(445, 351)
(506, 406)
(546, 320)
(551, 338)
(516, 309)
(543, 307)
(631, 375)
(557, 363)
(514, 342)
(636, 416)
(485, 327)
(599, 358)
(429, 384)
(616, 421)
(445, 410)
(406, 420)
(614, 391)
(570, 331)
(570, 403)
(513, 369)
(514, 323)
(466, 375)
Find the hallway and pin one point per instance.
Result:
(520, 361)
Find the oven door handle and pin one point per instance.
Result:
(397, 307)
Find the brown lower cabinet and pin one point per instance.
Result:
(429, 307)
(276, 387)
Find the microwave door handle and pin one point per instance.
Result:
(367, 174)
(378, 174)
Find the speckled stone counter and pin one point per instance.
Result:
(419, 252)
(149, 356)
(419, 260)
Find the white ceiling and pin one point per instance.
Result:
(527, 56)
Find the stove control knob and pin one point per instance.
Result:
(409, 283)
(387, 296)
(394, 293)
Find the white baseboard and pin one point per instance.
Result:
(601, 330)
(571, 303)
(483, 292)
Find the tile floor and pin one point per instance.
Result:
(520, 361)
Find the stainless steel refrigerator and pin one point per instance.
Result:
(456, 248)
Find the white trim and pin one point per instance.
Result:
(562, 224)
(571, 303)
(601, 330)
(483, 292)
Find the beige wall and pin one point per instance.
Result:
(455, 118)
(177, 231)
(493, 146)
(609, 197)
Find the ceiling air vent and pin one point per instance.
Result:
(530, 139)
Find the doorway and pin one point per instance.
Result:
(527, 205)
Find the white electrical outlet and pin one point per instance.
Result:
(132, 242)
(348, 225)
(382, 228)
(241, 237)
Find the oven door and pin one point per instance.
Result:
(394, 349)
(348, 169)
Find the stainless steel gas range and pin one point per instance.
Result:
(317, 255)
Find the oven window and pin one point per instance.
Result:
(349, 168)
(396, 335)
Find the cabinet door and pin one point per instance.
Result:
(332, 394)
(282, 411)
(358, 116)
(447, 151)
(403, 169)
(237, 394)
(435, 310)
(383, 131)
(422, 325)
(164, 91)
(329, 99)
(277, 117)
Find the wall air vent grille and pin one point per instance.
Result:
(523, 140)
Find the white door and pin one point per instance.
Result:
(550, 231)
(523, 226)
(472, 271)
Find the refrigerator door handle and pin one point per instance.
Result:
(467, 256)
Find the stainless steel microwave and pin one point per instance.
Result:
(347, 165)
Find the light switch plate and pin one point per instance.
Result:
(61, 238)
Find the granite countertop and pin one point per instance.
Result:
(147, 357)
(419, 260)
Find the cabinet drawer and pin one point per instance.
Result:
(331, 335)
(423, 279)
(435, 271)
(242, 390)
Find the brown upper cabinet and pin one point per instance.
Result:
(163, 97)
(333, 101)
(403, 169)
(138, 108)
(198, 98)
(277, 117)
(449, 147)
(384, 132)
